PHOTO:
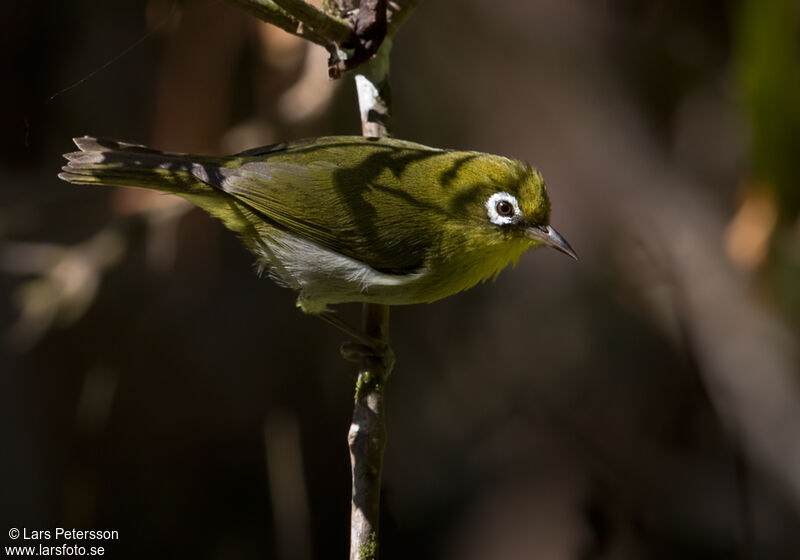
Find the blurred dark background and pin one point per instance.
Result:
(641, 403)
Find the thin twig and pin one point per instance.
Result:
(352, 39)
(269, 12)
(367, 441)
(374, 93)
(331, 27)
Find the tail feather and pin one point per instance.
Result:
(109, 162)
(94, 144)
(195, 178)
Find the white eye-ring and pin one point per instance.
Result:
(502, 208)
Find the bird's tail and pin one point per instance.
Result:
(195, 178)
(112, 163)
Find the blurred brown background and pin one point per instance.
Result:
(642, 403)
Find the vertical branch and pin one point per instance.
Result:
(367, 435)
(367, 440)
(374, 93)
(362, 40)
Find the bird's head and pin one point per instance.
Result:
(507, 200)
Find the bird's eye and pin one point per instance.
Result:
(504, 208)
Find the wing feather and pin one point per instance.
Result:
(334, 207)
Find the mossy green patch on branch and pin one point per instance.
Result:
(368, 550)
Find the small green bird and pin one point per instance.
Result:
(347, 218)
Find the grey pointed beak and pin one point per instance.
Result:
(547, 235)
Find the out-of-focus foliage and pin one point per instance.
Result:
(768, 63)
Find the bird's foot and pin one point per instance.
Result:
(364, 348)
(377, 350)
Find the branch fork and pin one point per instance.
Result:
(352, 32)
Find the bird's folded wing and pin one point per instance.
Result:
(313, 200)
